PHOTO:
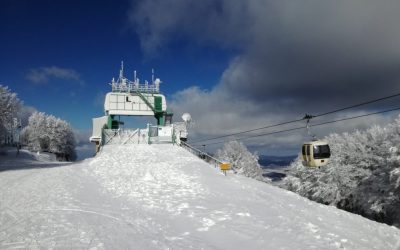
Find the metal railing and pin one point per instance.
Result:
(123, 136)
(204, 156)
(149, 135)
(129, 88)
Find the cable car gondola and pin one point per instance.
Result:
(315, 153)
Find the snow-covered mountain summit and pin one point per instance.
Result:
(162, 197)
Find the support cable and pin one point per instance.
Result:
(298, 120)
(302, 127)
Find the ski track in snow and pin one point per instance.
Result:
(162, 197)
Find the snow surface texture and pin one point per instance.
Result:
(162, 197)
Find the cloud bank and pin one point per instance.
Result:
(294, 57)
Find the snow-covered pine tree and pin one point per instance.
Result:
(242, 161)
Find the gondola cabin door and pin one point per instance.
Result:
(306, 154)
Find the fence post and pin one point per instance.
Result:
(148, 134)
(173, 135)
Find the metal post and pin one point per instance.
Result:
(148, 134)
(173, 135)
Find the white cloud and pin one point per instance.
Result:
(44, 74)
(82, 136)
(294, 57)
(216, 113)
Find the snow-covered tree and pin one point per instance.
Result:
(24, 113)
(37, 133)
(62, 139)
(363, 175)
(51, 134)
(241, 159)
(9, 107)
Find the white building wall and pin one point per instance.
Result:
(130, 104)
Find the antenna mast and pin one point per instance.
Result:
(121, 72)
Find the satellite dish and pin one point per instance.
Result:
(186, 118)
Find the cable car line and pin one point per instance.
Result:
(298, 120)
(302, 127)
(251, 130)
(358, 105)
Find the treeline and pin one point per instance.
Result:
(50, 134)
(10, 105)
(363, 175)
(39, 132)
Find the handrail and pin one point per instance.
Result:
(201, 152)
(204, 156)
(130, 136)
(146, 101)
(128, 88)
(124, 135)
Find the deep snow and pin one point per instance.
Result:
(162, 197)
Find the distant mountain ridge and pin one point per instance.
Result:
(267, 161)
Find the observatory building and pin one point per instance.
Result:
(132, 98)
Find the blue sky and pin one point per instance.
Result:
(86, 42)
(233, 64)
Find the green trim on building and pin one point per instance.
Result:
(109, 121)
(157, 104)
